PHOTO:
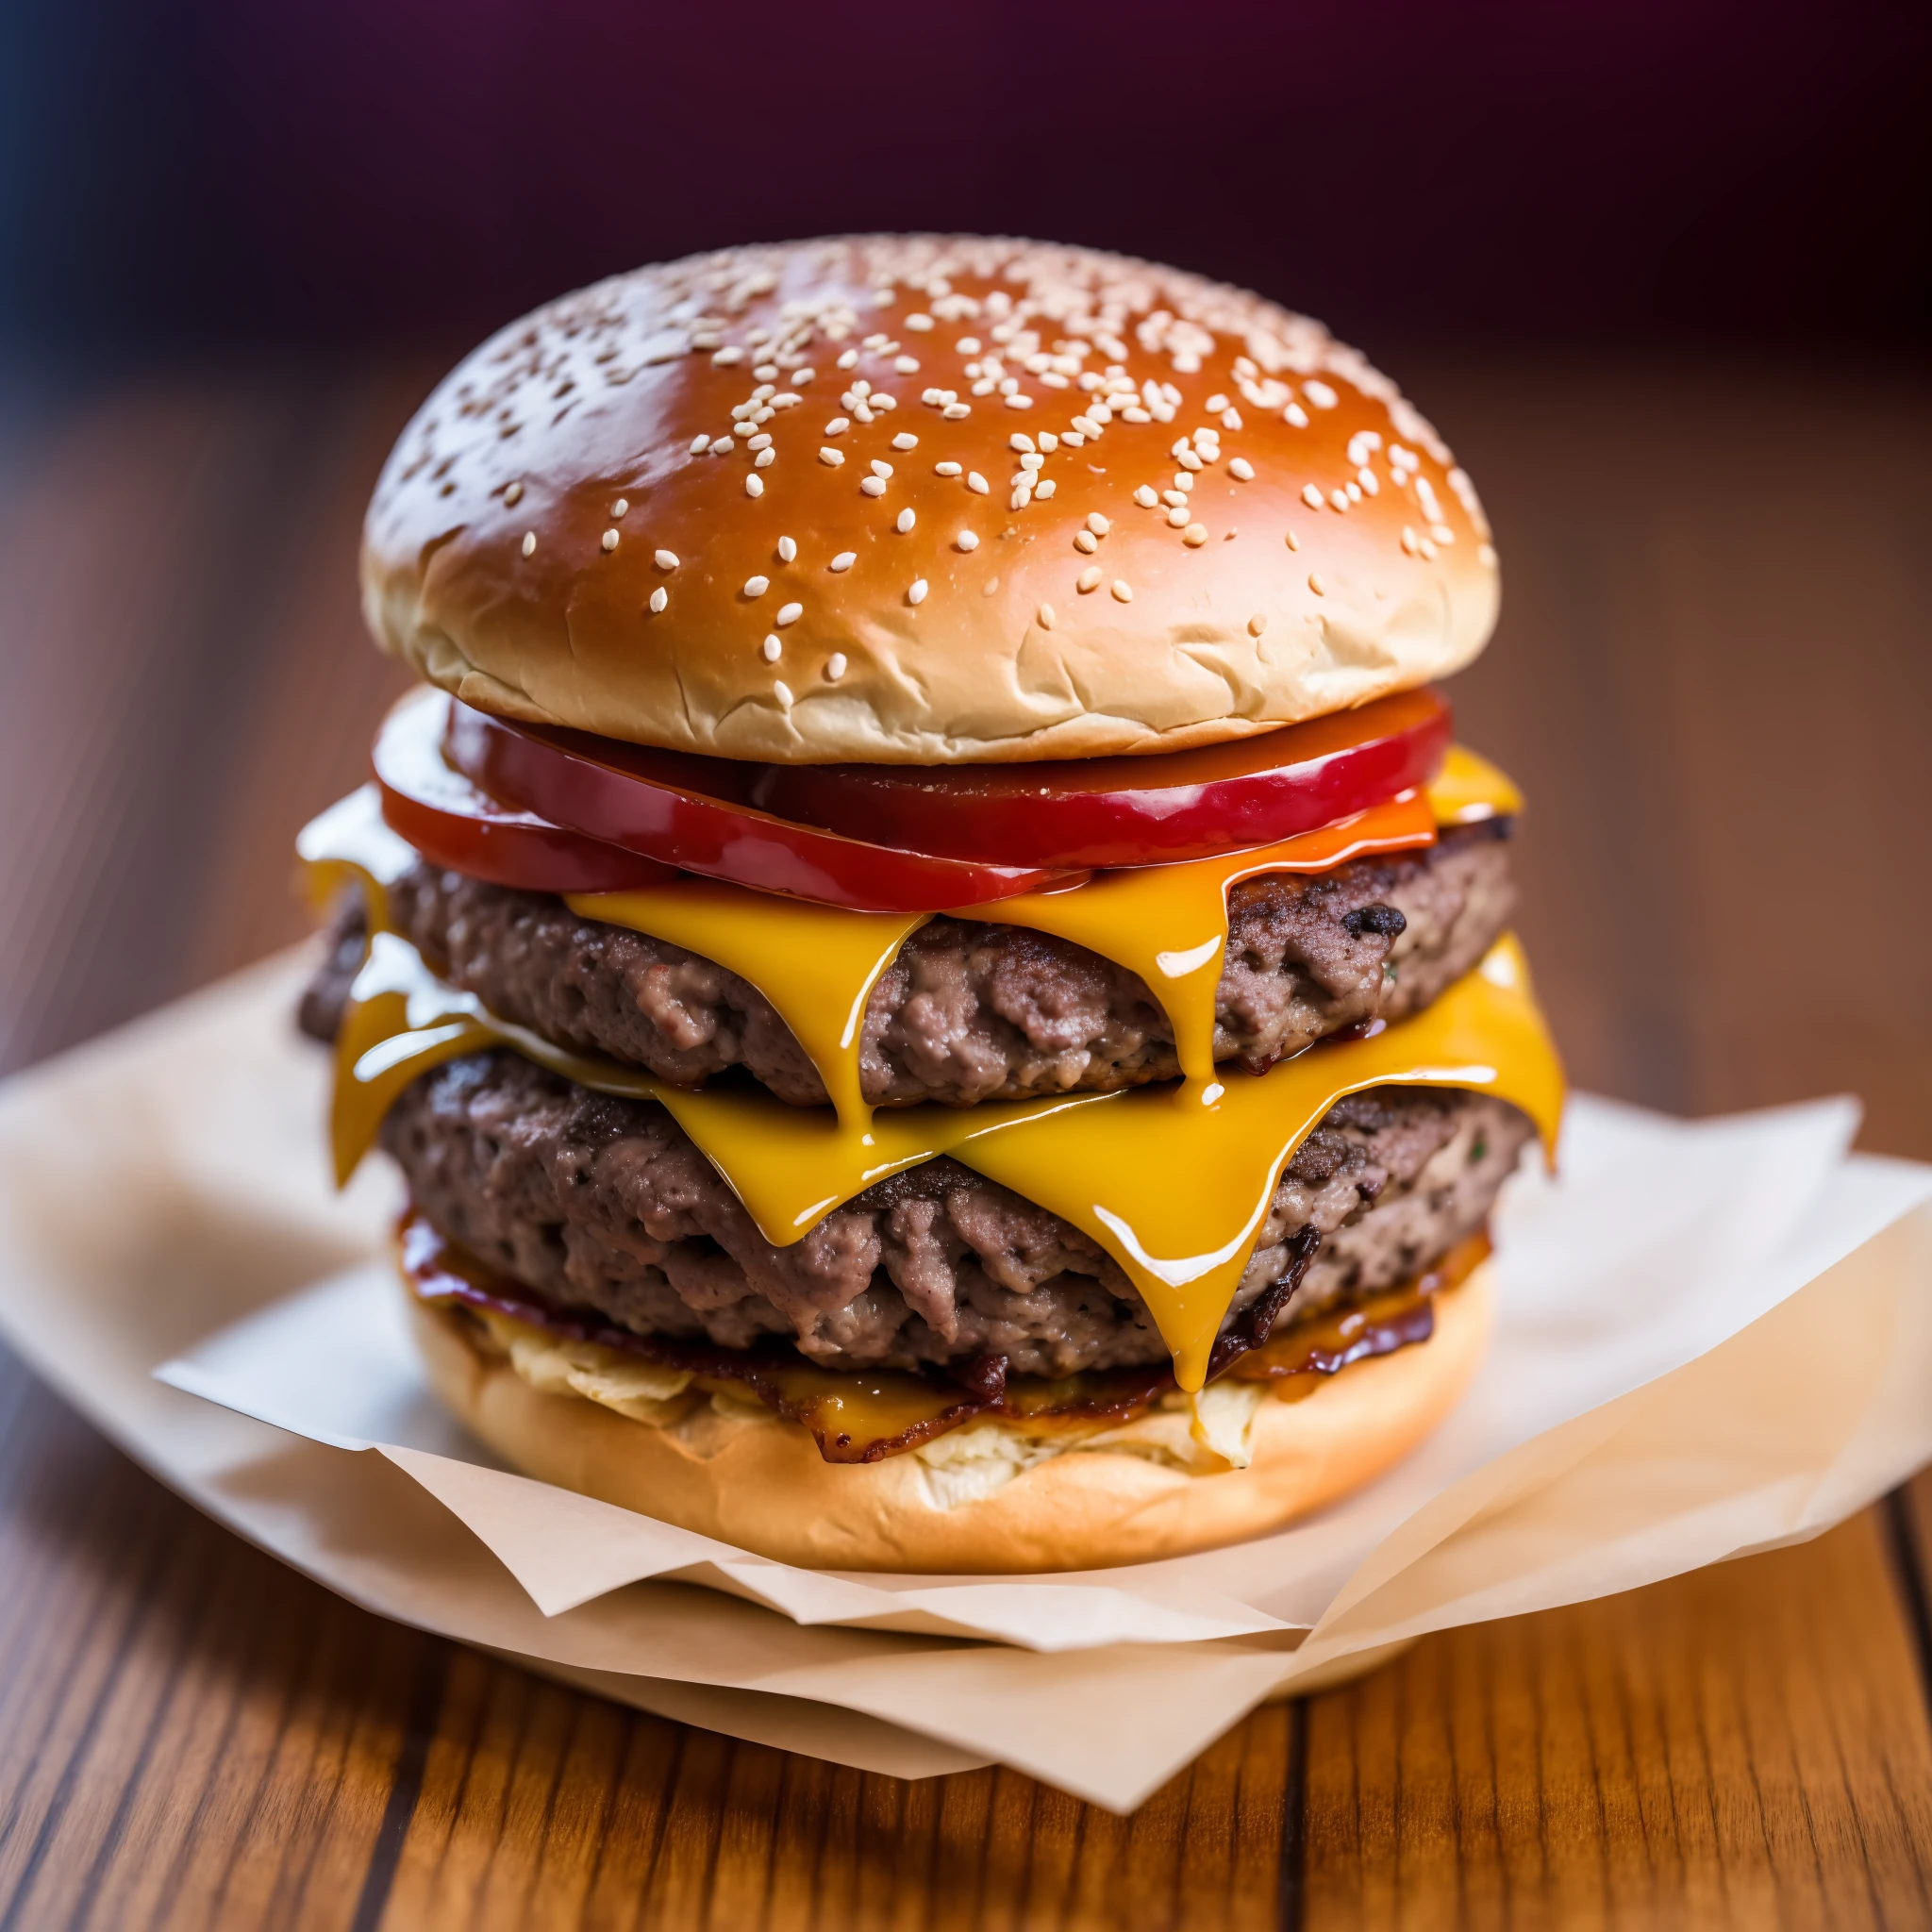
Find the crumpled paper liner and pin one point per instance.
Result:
(1712, 1338)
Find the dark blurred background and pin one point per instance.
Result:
(1663, 273)
(232, 173)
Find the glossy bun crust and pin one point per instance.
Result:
(760, 1484)
(573, 530)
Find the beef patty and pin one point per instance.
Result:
(600, 1202)
(968, 1010)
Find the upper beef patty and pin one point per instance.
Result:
(968, 1012)
(600, 1202)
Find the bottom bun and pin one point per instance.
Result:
(750, 1479)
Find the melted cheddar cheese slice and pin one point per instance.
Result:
(1175, 1182)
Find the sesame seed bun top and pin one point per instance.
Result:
(919, 499)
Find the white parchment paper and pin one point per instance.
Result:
(1711, 1337)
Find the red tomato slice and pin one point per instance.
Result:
(694, 814)
(451, 823)
(1121, 811)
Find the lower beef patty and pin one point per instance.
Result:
(605, 1203)
(968, 1012)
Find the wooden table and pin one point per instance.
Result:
(1714, 677)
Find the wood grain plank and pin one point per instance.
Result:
(193, 1733)
(1711, 678)
(1742, 1746)
(190, 1735)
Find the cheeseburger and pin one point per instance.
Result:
(940, 986)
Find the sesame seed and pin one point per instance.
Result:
(1339, 498)
(968, 345)
(785, 400)
(946, 469)
(1020, 440)
(725, 357)
(719, 445)
(1242, 470)
(801, 377)
(1216, 404)
(1090, 578)
(1289, 539)
(659, 597)
(1179, 515)
(787, 549)
(782, 691)
(788, 613)
(849, 360)
(1046, 616)
(1032, 461)
(762, 440)
(1122, 590)
(1316, 585)
(838, 425)
(906, 365)
(967, 539)
(1045, 488)
(905, 440)
(746, 427)
(1296, 414)
(1073, 439)
(1258, 623)
(765, 458)
(513, 494)
(1194, 535)
(1019, 498)
(880, 469)
(1311, 495)
(1018, 402)
(1370, 483)
(835, 666)
(957, 412)
(1485, 555)
(1320, 394)
(1408, 540)
(834, 457)
(1428, 551)
(990, 588)
(754, 484)
(609, 539)
(757, 587)
(770, 649)
(905, 522)
(845, 560)
(976, 483)
(915, 592)
(1146, 498)
(873, 486)
(918, 321)
(765, 371)
(666, 560)
(1086, 540)
(529, 542)
(1048, 440)
(1098, 524)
